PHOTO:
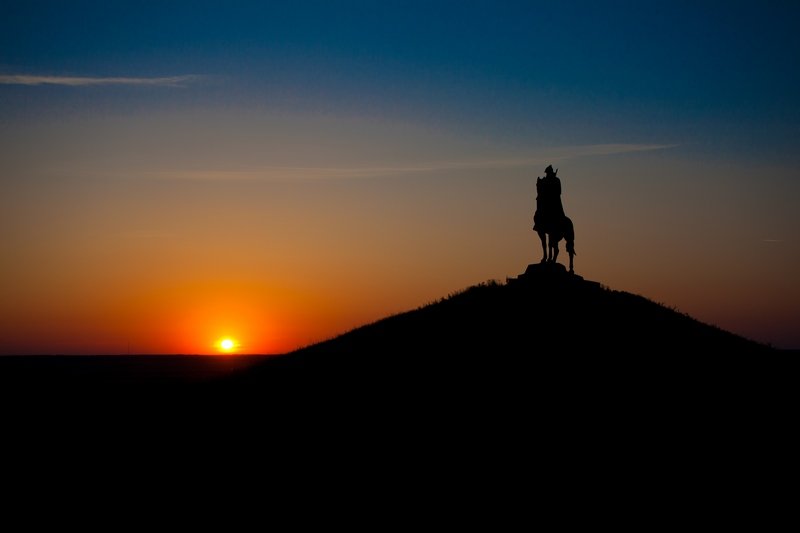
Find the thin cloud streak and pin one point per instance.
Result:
(290, 173)
(83, 81)
(571, 152)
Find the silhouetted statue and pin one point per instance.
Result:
(550, 219)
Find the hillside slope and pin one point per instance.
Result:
(546, 325)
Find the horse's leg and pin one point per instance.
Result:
(554, 247)
(543, 237)
(571, 255)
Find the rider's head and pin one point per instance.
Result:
(549, 171)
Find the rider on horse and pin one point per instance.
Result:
(549, 211)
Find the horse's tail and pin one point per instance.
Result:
(569, 236)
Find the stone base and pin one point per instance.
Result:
(549, 270)
(551, 275)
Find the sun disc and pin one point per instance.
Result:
(226, 345)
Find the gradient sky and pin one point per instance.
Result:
(172, 173)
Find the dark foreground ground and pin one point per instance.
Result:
(42, 371)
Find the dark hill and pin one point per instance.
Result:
(546, 328)
(542, 313)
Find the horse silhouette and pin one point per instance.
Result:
(561, 229)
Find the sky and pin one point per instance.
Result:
(277, 173)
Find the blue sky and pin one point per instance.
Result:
(720, 74)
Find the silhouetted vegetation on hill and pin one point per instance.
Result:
(546, 328)
(537, 315)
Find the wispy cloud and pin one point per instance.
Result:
(549, 155)
(771, 240)
(570, 152)
(546, 155)
(83, 81)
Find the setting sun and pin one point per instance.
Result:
(227, 345)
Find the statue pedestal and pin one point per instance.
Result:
(551, 276)
(549, 270)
